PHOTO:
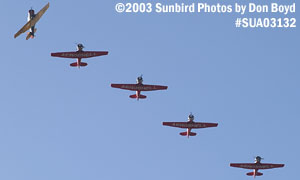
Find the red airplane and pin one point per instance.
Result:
(138, 87)
(79, 54)
(256, 166)
(190, 124)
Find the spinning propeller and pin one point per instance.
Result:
(140, 79)
(258, 159)
(79, 46)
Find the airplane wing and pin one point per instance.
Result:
(33, 21)
(88, 54)
(256, 166)
(40, 14)
(195, 125)
(24, 28)
(131, 87)
(138, 87)
(65, 54)
(153, 87)
(77, 54)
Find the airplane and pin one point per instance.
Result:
(79, 54)
(190, 124)
(256, 166)
(31, 21)
(138, 87)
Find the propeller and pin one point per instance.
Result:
(258, 158)
(191, 116)
(79, 46)
(140, 79)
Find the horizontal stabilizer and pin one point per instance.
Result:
(185, 134)
(140, 97)
(133, 96)
(259, 174)
(29, 35)
(193, 134)
(252, 174)
(75, 64)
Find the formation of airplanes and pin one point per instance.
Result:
(138, 88)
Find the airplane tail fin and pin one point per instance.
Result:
(75, 64)
(252, 174)
(185, 134)
(140, 97)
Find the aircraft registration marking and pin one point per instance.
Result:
(79, 55)
(256, 166)
(189, 125)
(138, 88)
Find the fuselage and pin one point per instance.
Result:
(79, 50)
(257, 162)
(139, 87)
(191, 123)
(31, 15)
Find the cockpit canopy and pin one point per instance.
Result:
(191, 117)
(30, 14)
(80, 47)
(258, 159)
(139, 80)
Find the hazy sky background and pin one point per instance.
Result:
(63, 123)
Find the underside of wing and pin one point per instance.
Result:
(65, 54)
(176, 124)
(40, 14)
(270, 166)
(256, 166)
(89, 54)
(24, 28)
(131, 87)
(153, 87)
(194, 125)
(244, 165)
